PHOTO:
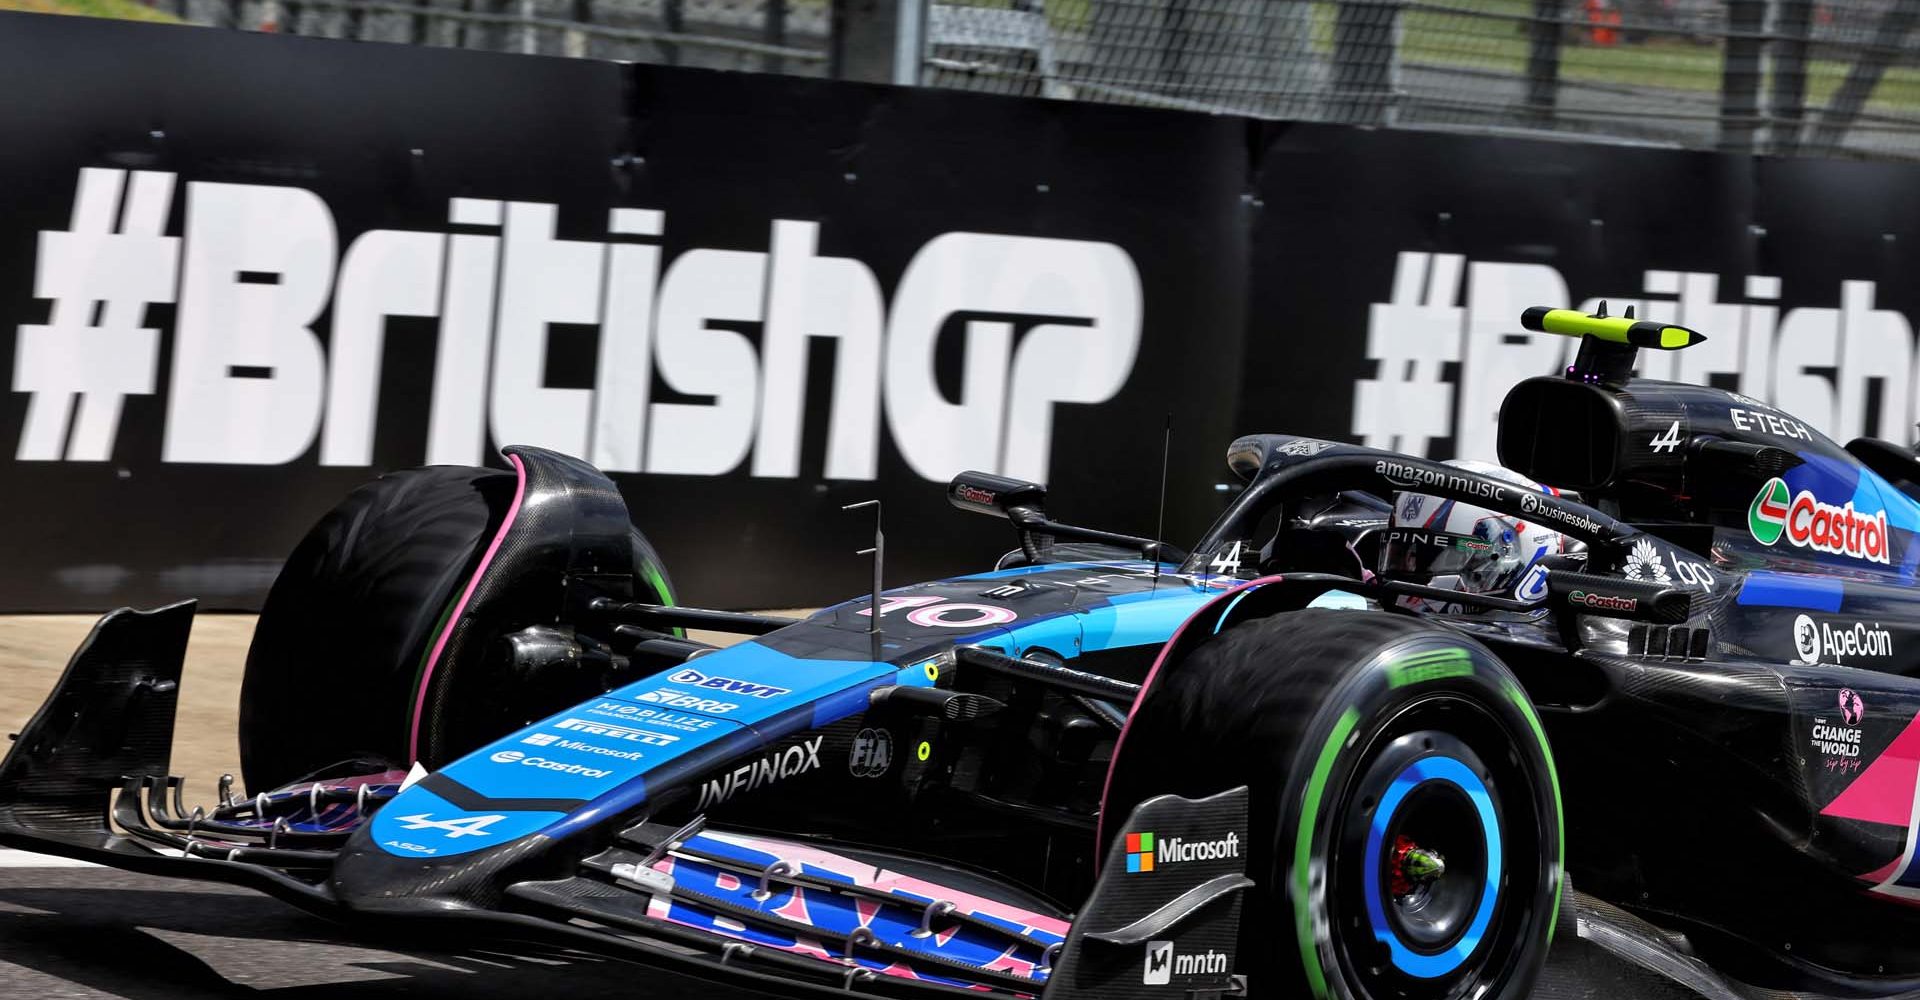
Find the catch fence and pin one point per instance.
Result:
(1773, 76)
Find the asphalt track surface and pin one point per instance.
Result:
(68, 930)
(86, 932)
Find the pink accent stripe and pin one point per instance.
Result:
(440, 644)
(1106, 787)
(887, 880)
(1883, 793)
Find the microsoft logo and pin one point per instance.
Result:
(1139, 852)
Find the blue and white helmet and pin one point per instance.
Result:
(1457, 546)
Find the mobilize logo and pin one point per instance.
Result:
(1163, 963)
(694, 678)
(652, 717)
(550, 740)
(1819, 642)
(1807, 522)
(1145, 852)
(516, 757)
(253, 379)
(777, 766)
(616, 732)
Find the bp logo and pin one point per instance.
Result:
(1767, 518)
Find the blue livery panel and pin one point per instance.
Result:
(609, 755)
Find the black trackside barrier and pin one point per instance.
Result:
(780, 296)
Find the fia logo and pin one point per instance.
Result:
(872, 753)
(1159, 969)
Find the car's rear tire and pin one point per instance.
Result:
(1371, 743)
(334, 670)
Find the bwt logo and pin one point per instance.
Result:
(1045, 322)
(751, 689)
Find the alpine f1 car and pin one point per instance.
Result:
(1105, 768)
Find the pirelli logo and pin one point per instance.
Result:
(617, 732)
(1433, 665)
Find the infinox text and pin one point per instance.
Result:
(777, 766)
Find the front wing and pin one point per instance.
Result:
(87, 778)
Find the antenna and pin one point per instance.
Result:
(879, 553)
(1160, 524)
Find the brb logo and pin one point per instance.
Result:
(255, 379)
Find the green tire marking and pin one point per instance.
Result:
(1303, 849)
(1433, 665)
(1559, 815)
(658, 581)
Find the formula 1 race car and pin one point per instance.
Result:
(1105, 768)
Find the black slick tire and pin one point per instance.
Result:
(334, 668)
(1405, 828)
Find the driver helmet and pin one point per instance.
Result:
(1444, 543)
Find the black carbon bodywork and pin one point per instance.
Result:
(1723, 660)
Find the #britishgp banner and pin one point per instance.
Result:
(1421, 251)
(240, 275)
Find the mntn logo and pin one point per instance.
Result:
(1159, 970)
(1139, 852)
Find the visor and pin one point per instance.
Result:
(1483, 566)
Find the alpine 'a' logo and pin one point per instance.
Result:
(1808, 523)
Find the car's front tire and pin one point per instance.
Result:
(1405, 816)
(338, 667)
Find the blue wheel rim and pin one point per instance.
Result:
(1420, 772)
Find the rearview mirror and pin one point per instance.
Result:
(995, 496)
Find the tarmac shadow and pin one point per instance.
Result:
(198, 942)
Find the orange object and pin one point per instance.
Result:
(1603, 21)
